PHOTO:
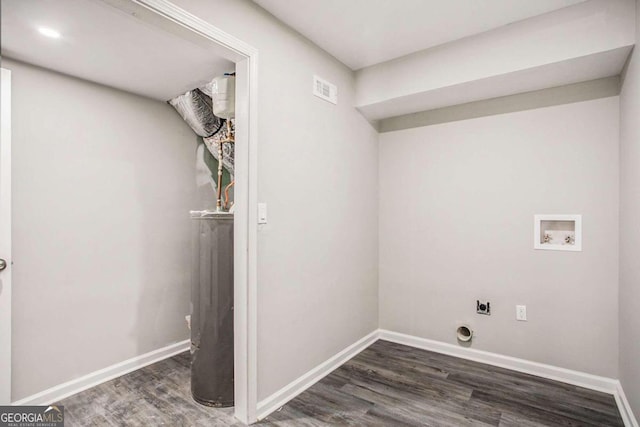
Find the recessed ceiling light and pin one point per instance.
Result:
(48, 32)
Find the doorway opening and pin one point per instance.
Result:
(167, 19)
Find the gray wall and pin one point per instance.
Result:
(317, 257)
(102, 184)
(583, 91)
(630, 229)
(457, 202)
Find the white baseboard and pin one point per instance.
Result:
(581, 379)
(291, 390)
(59, 392)
(624, 407)
(577, 378)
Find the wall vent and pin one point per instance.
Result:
(325, 90)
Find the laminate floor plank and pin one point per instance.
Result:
(506, 402)
(565, 403)
(441, 411)
(156, 395)
(404, 379)
(512, 419)
(539, 396)
(390, 395)
(387, 384)
(398, 378)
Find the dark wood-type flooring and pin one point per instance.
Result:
(387, 384)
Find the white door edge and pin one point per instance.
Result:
(5, 237)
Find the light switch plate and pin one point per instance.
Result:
(262, 213)
(521, 312)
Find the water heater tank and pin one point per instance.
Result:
(212, 309)
(223, 93)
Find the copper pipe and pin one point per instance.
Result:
(230, 139)
(226, 194)
(219, 201)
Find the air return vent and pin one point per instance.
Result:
(325, 90)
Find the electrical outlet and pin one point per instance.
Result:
(521, 312)
(483, 307)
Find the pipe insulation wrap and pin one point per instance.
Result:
(196, 108)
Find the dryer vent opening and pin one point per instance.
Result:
(465, 333)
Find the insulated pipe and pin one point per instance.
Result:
(229, 138)
(226, 194)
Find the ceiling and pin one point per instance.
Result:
(361, 33)
(104, 45)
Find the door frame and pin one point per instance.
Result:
(171, 18)
(5, 232)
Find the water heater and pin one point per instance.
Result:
(223, 94)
